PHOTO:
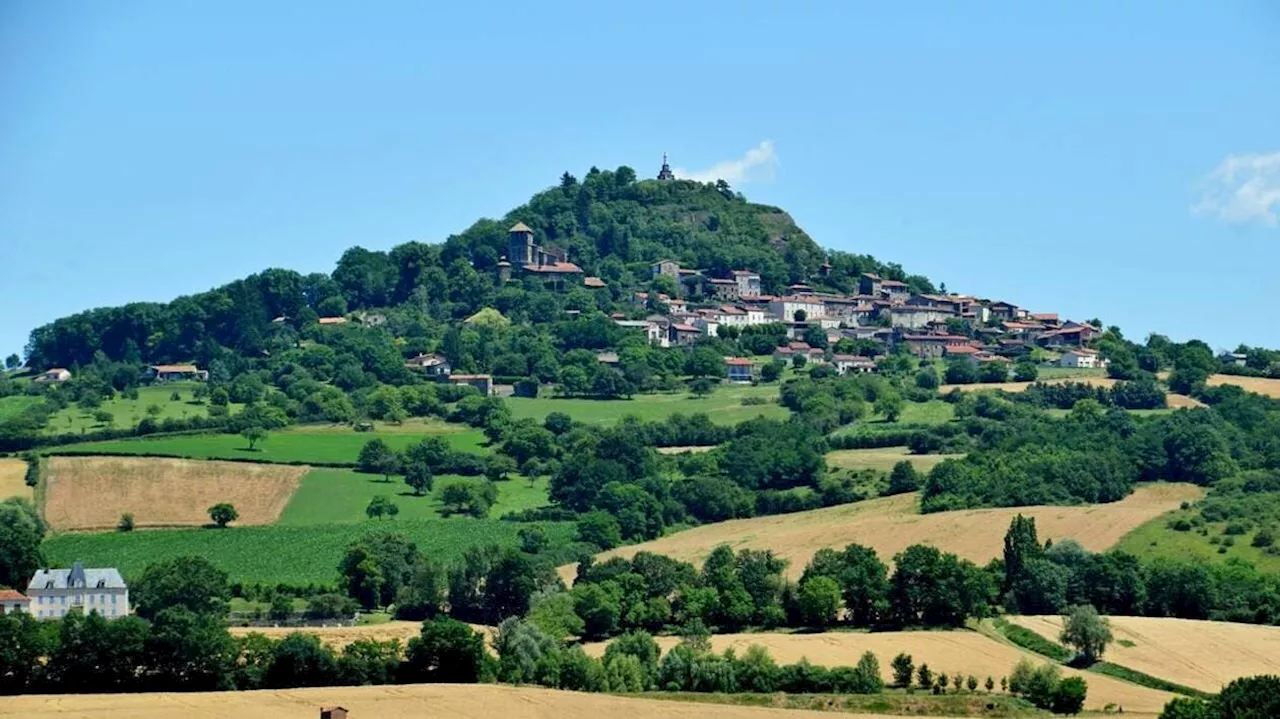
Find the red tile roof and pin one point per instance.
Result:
(962, 350)
(738, 362)
(185, 368)
(592, 282)
(554, 267)
(684, 328)
(12, 595)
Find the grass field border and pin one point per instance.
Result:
(890, 702)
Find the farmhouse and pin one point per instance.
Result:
(681, 334)
(740, 369)
(14, 602)
(846, 364)
(1080, 358)
(670, 268)
(54, 592)
(932, 346)
(434, 365)
(57, 374)
(175, 373)
(482, 382)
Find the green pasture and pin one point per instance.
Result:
(1156, 539)
(724, 406)
(321, 444)
(128, 412)
(14, 405)
(341, 495)
(283, 553)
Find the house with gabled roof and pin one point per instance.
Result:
(54, 592)
(175, 373)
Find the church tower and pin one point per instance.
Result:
(665, 173)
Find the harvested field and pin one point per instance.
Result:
(13, 476)
(339, 637)
(891, 524)
(956, 651)
(92, 492)
(1261, 385)
(1022, 386)
(1198, 654)
(1182, 401)
(438, 701)
(883, 458)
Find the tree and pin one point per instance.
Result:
(924, 677)
(1187, 708)
(381, 506)
(470, 498)
(418, 476)
(1250, 698)
(12, 362)
(533, 539)
(222, 514)
(499, 467)
(153, 410)
(993, 372)
(21, 532)
(600, 529)
(253, 434)
(102, 416)
(927, 378)
(818, 599)
(799, 315)
(1021, 545)
(890, 405)
(281, 608)
(1068, 696)
(1087, 632)
(701, 387)
(376, 457)
(192, 583)
(903, 478)
(961, 371)
(126, 523)
(771, 371)
(447, 650)
(301, 660)
(903, 670)
(1025, 371)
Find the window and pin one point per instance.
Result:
(113, 599)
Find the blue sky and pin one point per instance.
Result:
(1118, 160)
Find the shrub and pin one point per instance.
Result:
(126, 523)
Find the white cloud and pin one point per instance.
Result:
(1243, 189)
(758, 164)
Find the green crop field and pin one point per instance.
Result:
(883, 458)
(1156, 539)
(128, 412)
(724, 406)
(341, 495)
(1055, 372)
(302, 444)
(281, 553)
(935, 411)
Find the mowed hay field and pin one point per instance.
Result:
(339, 637)
(1198, 654)
(93, 492)
(13, 479)
(891, 524)
(883, 459)
(415, 701)
(955, 651)
(1261, 385)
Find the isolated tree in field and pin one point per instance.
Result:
(1086, 632)
(924, 677)
(418, 476)
(903, 670)
(12, 361)
(253, 434)
(126, 523)
(223, 513)
(991, 684)
(153, 410)
(702, 387)
(890, 405)
(102, 416)
(972, 683)
(498, 467)
(381, 506)
(376, 457)
(175, 396)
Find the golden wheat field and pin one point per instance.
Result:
(1182, 401)
(92, 492)
(415, 701)
(883, 458)
(339, 637)
(1261, 385)
(891, 524)
(13, 475)
(1199, 654)
(960, 651)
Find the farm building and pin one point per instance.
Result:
(434, 365)
(175, 373)
(14, 602)
(848, 364)
(482, 382)
(57, 374)
(54, 592)
(670, 268)
(332, 320)
(748, 282)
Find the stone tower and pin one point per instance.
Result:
(665, 173)
(520, 247)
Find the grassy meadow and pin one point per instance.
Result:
(128, 412)
(282, 553)
(1156, 539)
(724, 406)
(14, 405)
(320, 444)
(341, 495)
(882, 459)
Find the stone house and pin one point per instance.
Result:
(54, 592)
(748, 282)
